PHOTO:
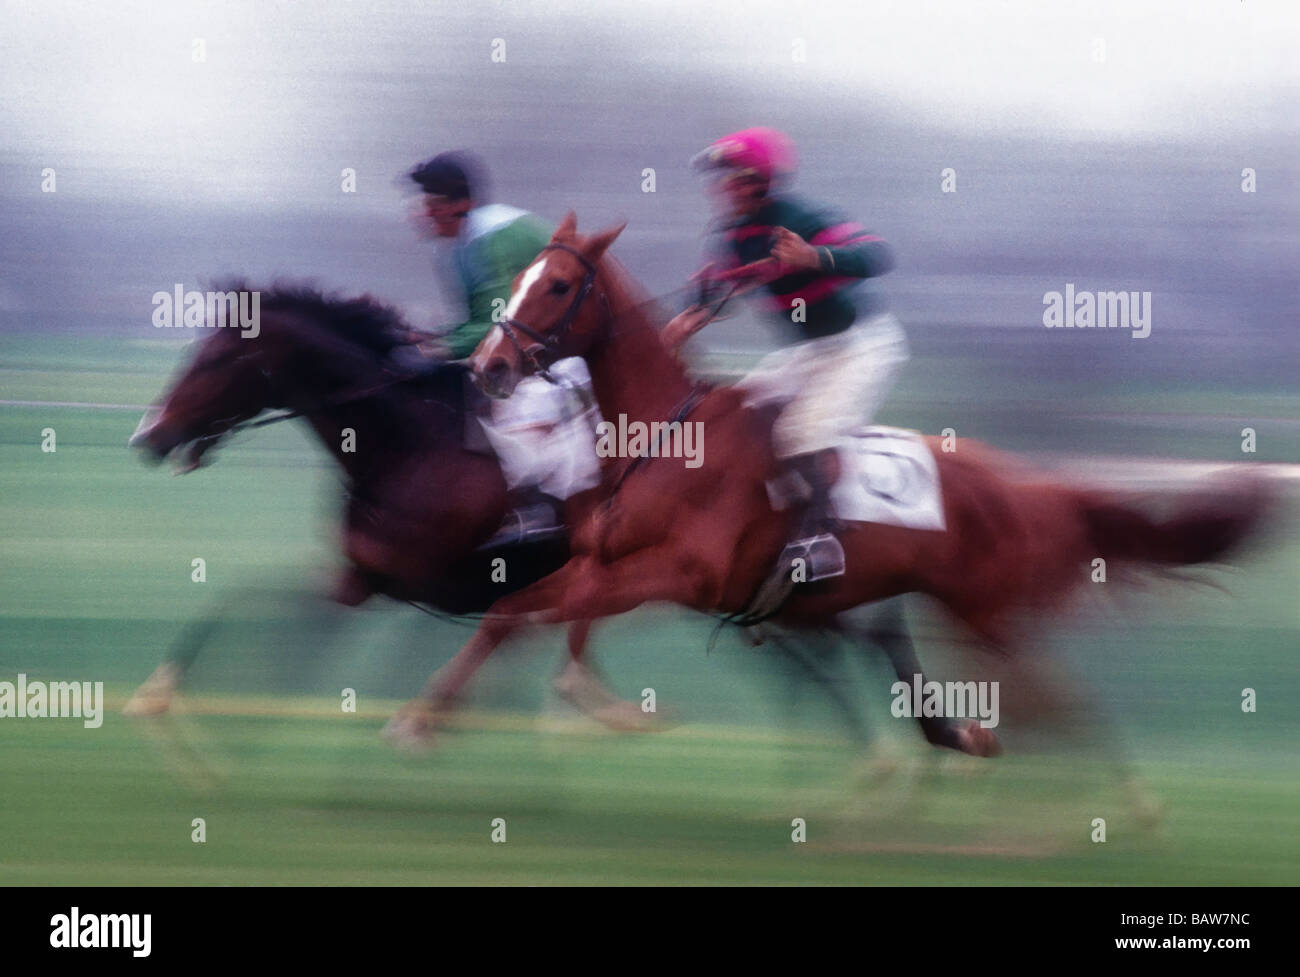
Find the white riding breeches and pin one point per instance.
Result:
(833, 385)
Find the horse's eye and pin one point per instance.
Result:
(559, 288)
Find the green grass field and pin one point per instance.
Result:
(95, 583)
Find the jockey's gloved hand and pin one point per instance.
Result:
(794, 253)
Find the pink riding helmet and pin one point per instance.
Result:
(764, 152)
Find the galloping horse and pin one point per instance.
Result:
(708, 537)
(421, 502)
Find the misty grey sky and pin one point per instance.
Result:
(116, 81)
(1122, 171)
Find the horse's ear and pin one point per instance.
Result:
(568, 228)
(598, 243)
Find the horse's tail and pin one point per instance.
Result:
(1203, 527)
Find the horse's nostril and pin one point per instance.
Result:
(495, 372)
(493, 378)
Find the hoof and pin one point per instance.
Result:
(974, 739)
(627, 717)
(579, 687)
(413, 728)
(879, 767)
(1146, 809)
(154, 697)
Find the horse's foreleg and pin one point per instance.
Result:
(579, 634)
(582, 686)
(154, 696)
(578, 684)
(415, 722)
(312, 618)
(811, 667)
(504, 618)
(581, 590)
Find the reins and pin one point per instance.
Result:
(549, 344)
(735, 279)
(684, 409)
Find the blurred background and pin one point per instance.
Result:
(1092, 143)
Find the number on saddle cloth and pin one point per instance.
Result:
(889, 476)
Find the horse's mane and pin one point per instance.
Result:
(372, 326)
(626, 293)
(361, 320)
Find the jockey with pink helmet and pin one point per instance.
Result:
(844, 349)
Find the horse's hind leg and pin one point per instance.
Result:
(1084, 718)
(810, 669)
(887, 630)
(1069, 710)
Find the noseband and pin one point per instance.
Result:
(550, 343)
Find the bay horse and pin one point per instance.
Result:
(708, 537)
(422, 499)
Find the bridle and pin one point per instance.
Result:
(550, 342)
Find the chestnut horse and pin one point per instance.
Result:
(708, 537)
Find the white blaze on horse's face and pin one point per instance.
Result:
(531, 274)
(496, 345)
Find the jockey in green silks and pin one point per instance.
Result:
(543, 435)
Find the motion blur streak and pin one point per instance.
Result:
(1114, 168)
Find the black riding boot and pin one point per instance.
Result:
(533, 515)
(815, 542)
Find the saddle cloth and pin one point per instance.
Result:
(888, 475)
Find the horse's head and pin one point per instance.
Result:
(551, 314)
(225, 383)
(309, 352)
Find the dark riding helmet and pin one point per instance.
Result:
(455, 175)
